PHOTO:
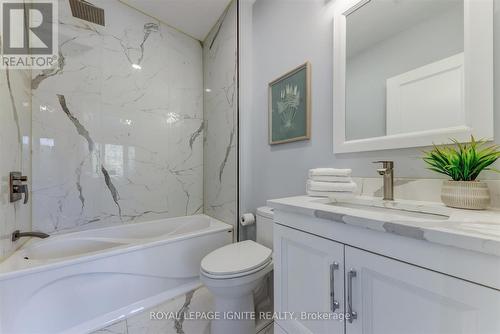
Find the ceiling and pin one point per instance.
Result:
(193, 17)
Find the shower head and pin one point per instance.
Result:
(86, 11)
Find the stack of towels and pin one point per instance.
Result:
(326, 182)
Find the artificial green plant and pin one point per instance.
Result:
(462, 162)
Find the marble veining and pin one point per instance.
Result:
(196, 134)
(199, 300)
(117, 126)
(329, 215)
(79, 127)
(112, 189)
(405, 231)
(15, 150)
(179, 321)
(37, 80)
(15, 114)
(220, 118)
(268, 330)
(472, 230)
(226, 155)
(127, 49)
(218, 26)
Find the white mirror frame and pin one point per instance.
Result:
(478, 95)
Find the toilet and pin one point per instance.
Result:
(233, 272)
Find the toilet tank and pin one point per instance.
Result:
(265, 226)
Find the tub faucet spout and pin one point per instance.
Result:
(16, 235)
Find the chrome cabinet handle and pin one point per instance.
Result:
(352, 315)
(334, 305)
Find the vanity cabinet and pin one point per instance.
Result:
(393, 297)
(309, 277)
(387, 296)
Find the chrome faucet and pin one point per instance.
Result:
(387, 171)
(16, 235)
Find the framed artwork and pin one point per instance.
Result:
(290, 106)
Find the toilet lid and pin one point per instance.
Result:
(236, 258)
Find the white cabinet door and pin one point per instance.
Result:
(392, 297)
(309, 278)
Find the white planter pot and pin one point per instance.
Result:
(473, 195)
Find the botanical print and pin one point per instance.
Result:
(290, 106)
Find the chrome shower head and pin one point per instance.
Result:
(86, 11)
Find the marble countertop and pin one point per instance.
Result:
(472, 230)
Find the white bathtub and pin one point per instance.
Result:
(79, 282)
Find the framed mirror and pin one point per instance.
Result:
(411, 73)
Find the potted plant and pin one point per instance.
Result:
(463, 163)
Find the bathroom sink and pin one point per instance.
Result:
(393, 211)
(61, 248)
(400, 209)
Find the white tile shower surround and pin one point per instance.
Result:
(112, 143)
(199, 300)
(15, 148)
(220, 118)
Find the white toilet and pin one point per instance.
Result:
(232, 272)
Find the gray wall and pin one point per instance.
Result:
(287, 33)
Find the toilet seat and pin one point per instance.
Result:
(236, 260)
(239, 275)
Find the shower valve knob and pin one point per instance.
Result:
(18, 187)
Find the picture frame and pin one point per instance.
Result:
(289, 109)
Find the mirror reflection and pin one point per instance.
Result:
(404, 67)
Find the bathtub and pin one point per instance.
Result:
(82, 281)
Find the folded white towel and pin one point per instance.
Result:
(329, 194)
(318, 193)
(331, 186)
(326, 178)
(329, 172)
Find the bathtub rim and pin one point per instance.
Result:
(109, 226)
(215, 226)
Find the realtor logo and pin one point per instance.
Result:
(28, 34)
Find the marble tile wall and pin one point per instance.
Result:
(220, 118)
(199, 300)
(118, 127)
(15, 149)
(184, 306)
